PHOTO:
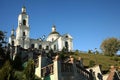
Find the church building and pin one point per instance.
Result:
(54, 41)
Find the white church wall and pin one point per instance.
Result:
(55, 44)
(52, 37)
(60, 46)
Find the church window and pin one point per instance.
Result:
(66, 36)
(52, 39)
(54, 47)
(66, 45)
(23, 33)
(32, 45)
(47, 47)
(40, 46)
(24, 22)
(12, 43)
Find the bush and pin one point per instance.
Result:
(91, 63)
(76, 52)
(115, 58)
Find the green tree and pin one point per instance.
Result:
(110, 46)
(7, 72)
(91, 63)
(1, 38)
(77, 52)
(2, 52)
(30, 70)
(89, 51)
(17, 63)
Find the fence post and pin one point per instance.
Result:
(74, 67)
(57, 68)
(38, 69)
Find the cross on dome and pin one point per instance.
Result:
(23, 9)
(53, 28)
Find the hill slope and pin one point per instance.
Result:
(105, 61)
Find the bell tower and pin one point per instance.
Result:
(23, 29)
(12, 38)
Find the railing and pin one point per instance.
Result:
(84, 72)
(66, 67)
(47, 70)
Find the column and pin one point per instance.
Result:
(38, 69)
(74, 68)
(57, 68)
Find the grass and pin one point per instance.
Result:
(99, 59)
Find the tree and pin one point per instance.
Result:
(110, 46)
(2, 51)
(77, 52)
(30, 70)
(91, 63)
(7, 72)
(1, 38)
(17, 63)
(89, 51)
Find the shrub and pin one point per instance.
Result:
(91, 63)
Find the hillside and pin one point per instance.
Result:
(105, 61)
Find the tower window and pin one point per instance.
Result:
(54, 47)
(24, 22)
(47, 47)
(32, 45)
(12, 43)
(66, 45)
(23, 33)
(40, 46)
(66, 36)
(52, 39)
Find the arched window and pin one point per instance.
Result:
(32, 45)
(24, 22)
(52, 39)
(54, 47)
(12, 43)
(66, 36)
(66, 45)
(23, 33)
(40, 46)
(47, 47)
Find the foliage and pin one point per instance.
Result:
(91, 63)
(7, 72)
(30, 70)
(110, 46)
(97, 52)
(1, 38)
(115, 58)
(76, 52)
(18, 75)
(65, 50)
(105, 61)
(2, 53)
(17, 63)
(51, 53)
(89, 52)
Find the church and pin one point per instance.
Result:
(48, 66)
(54, 41)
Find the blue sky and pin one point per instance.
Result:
(88, 21)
